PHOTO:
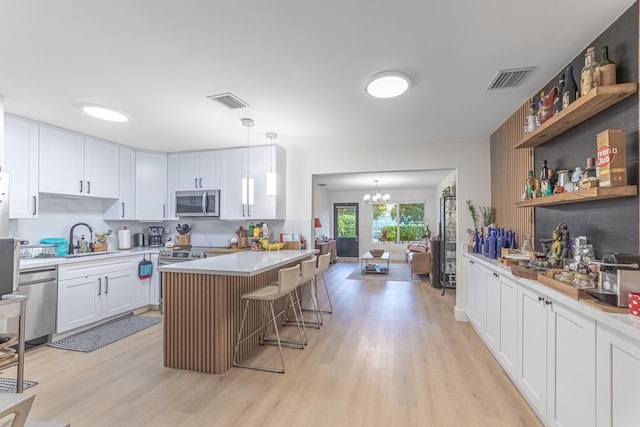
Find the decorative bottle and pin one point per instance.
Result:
(570, 90)
(606, 69)
(557, 103)
(588, 77)
(530, 124)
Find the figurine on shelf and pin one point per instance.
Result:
(556, 248)
(546, 109)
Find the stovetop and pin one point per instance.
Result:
(195, 252)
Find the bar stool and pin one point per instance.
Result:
(307, 282)
(323, 265)
(288, 281)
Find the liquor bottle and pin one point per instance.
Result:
(606, 69)
(588, 78)
(570, 90)
(557, 103)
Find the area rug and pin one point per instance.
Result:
(8, 385)
(107, 333)
(397, 272)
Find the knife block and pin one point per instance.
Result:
(184, 239)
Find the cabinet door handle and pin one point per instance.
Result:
(106, 284)
(243, 210)
(88, 187)
(471, 262)
(122, 209)
(80, 186)
(35, 205)
(547, 302)
(200, 179)
(540, 299)
(164, 211)
(195, 182)
(99, 286)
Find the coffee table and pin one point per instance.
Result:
(374, 265)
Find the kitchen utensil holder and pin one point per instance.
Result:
(184, 239)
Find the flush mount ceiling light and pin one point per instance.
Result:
(104, 113)
(387, 84)
(377, 197)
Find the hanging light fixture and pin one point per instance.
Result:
(247, 181)
(377, 197)
(271, 175)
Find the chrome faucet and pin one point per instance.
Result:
(71, 245)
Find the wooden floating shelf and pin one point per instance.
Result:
(596, 193)
(596, 100)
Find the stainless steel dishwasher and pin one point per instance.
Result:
(40, 285)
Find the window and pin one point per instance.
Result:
(398, 222)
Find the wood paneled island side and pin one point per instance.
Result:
(203, 308)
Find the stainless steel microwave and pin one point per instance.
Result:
(202, 203)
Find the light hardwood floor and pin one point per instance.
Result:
(390, 355)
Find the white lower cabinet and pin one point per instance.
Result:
(617, 379)
(143, 287)
(556, 369)
(508, 346)
(548, 348)
(91, 291)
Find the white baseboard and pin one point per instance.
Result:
(459, 314)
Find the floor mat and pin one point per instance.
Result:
(107, 333)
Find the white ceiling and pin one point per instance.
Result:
(301, 65)
(387, 181)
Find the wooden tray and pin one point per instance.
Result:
(564, 288)
(526, 273)
(508, 262)
(8, 360)
(601, 305)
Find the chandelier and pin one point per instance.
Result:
(377, 197)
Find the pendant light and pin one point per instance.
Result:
(377, 197)
(271, 175)
(247, 181)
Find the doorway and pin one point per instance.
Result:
(345, 224)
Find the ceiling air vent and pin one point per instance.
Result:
(228, 99)
(508, 79)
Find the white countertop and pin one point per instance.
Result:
(27, 263)
(621, 322)
(243, 263)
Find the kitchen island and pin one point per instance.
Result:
(203, 306)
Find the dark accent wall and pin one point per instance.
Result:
(610, 225)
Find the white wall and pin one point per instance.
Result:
(322, 210)
(469, 158)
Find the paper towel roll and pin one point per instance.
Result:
(124, 239)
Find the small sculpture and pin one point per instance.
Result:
(545, 112)
(556, 248)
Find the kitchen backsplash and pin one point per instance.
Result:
(57, 215)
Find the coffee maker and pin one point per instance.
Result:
(155, 236)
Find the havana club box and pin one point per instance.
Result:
(612, 157)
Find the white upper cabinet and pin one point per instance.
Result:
(73, 165)
(151, 186)
(125, 206)
(21, 161)
(101, 168)
(198, 170)
(244, 193)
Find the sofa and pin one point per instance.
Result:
(419, 258)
